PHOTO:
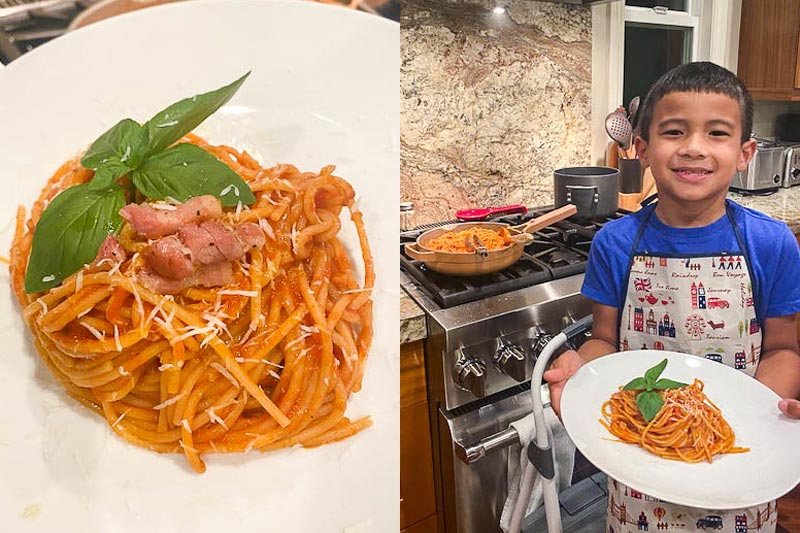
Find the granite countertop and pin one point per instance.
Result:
(412, 320)
(784, 205)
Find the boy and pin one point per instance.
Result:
(730, 276)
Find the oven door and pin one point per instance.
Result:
(475, 442)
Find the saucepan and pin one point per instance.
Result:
(593, 190)
(481, 260)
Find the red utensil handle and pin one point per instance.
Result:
(508, 209)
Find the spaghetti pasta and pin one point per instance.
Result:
(266, 362)
(464, 241)
(689, 427)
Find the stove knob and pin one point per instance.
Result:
(470, 374)
(510, 359)
(542, 341)
(539, 344)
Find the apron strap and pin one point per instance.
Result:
(629, 264)
(742, 246)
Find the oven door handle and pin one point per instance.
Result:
(470, 453)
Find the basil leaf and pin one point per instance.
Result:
(636, 384)
(126, 141)
(69, 233)
(652, 375)
(664, 384)
(169, 125)
(108, 173)
(187, 170)
(649, 404)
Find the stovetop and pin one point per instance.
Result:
(557, 251)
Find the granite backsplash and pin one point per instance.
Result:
(492, 103)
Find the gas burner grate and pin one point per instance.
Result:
(558, 251)
(449, 291)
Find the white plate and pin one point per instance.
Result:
(732, 481)
(323, 90)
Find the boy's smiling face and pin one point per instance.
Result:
(695, 148)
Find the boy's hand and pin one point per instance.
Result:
(790, 408)
(560, 371)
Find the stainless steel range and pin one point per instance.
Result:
(484, 334)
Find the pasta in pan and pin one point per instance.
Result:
(689, 427)
(264, 361)
(466, 240)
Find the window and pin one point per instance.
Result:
(636, 41)
(659, 35)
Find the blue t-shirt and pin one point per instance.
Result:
(772, 249)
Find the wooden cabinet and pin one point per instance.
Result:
(417, 496)
(769, 40)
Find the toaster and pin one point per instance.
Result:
(764, 172)
(791, 166)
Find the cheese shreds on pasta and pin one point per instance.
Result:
(265, 362)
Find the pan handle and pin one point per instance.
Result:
(547, 219)
(415, 253)
(584, 197)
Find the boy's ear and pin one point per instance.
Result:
(641, 151)
(746, 154)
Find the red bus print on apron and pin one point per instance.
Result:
(703, 305)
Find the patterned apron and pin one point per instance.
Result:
(698, 304)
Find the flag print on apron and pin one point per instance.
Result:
(698, 304)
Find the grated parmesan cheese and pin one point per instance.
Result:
(119, 419)
(224, 371)
(48, 279)
(79, 280)
(191, 331)
(249, 294)
(167, 403)
(266, 227)
(163, 206)
(274, 374)
(116, 339)
(165, 366)
(309, 329)
(352, 291)
(294, 238)
(298, 339)
(123, 372)
(43, 304)
(186, 426)
(115, 268)
(215, 418)
(99, 336)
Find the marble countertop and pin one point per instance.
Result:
(784, 205)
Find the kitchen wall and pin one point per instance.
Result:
(765, 114)
(491, 103)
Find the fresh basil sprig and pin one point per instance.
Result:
(649, 401)
(70, 231)
(77, 220)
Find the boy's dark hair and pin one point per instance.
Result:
(699, 77)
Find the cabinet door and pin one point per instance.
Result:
(417, 497)
(768, 48)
